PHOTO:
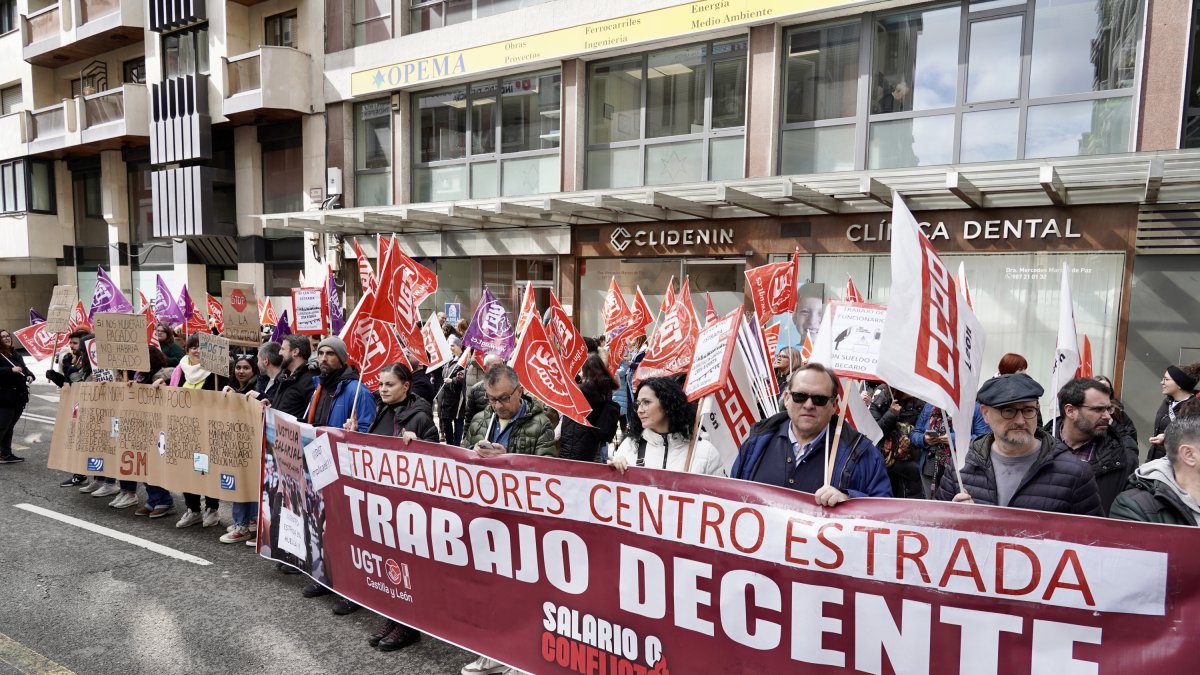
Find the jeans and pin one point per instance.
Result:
(128, 486)
(156, 496)
(453, 430)
(8, 422)
(193, 502)
(244, 512)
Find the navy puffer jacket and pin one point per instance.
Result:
(1057, 482)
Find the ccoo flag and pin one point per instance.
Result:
(107, 297)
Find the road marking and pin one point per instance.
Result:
(52, 398)
(34, 417)
(25, 660)
(115, 534)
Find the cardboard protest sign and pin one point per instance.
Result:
(239, 310)
(121, 342)
(190, 427)
(62, 303)
(288, 497)
(655, 572)
(214, 353)
(310, 311)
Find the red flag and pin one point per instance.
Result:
(673, 342)
(771, 339)
(852, 294)
(402, 285)
(366, 276)
(615, 311)
(1085, 359)
(773, 287)
(151, 324)
(668, 300)
(268, 317)
(962, 284)
(542, 372)
(570, 342)
(196, 324)
(79, 319)
(528, 309)
(371, 345)
(806, 350)
(215, 311)
(642, 318)
(38, 341)
(710, 312)
(144, 301)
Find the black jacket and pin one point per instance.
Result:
(14, 386)
(583, 443)
(1057, 482)
(1113, 461)
(422, 386)
(294, 391)
(476, 400)
(450, 398)
(415, 415)
(1150, 501)
(1162, 419)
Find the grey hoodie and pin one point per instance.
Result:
(1160, 470)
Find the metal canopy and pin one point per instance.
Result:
(1163, 177)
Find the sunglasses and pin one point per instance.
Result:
(819, 400)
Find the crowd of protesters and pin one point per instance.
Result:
(1085, 460)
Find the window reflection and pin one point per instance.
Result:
(916, 60)
(821, 74)
(994, 59)
(990, 135)
(1080, 128)
(1083, 45)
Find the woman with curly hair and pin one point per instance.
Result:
(660, 435)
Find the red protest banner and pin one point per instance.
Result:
(568, 567)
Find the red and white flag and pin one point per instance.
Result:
(771, 339)
(38, 341)
(806, 349)
(402, 285)
(773, 287)
(79, 319)
(710, 359)
(962, 284)
(269, 317)
(528, 308)
(710, 312)
(570, 342)
(727, 414)
(1066, 350)
(366, 276)
(852, 294)
(934, 341)
(216, 312)
(1085, 359)
(437, 347)
(615, 311)
(673, 342)
(371, 344)
(542, 372)
(151, 324)
(143, 300)
(668, 300)
(640, 310)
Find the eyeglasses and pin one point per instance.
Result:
(819, 400)
(1010, 413)
(644, 403)
(501, 399)
(1101, 409)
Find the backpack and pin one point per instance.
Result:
(897, 446)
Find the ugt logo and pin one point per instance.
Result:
(95, 463)
(398, 573)
(620, 239)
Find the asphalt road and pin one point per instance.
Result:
(72, 600)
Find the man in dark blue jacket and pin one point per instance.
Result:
(1018, 464)
(788, 449)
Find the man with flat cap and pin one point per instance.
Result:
(1018, 464)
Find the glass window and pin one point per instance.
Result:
(372, 21)
(1083, 45)
(994, 59)
(920, 141)
(284, 261)
(428, 14)
(283, 176)
(10, 99)
(818, 150)
(643, 107)
(8, 15)
(372, 153)
(990, 135)
(186, 52)
(821, 74)
(42, 198)
(524, 111)
(1081, 128)
(12, 186)
(280, 30)
(134, 71)
(1191, 123)
(916, 60)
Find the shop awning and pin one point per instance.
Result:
(1145, 178)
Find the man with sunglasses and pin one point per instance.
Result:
(1017, 464)
(788, 449)
(1085, 428)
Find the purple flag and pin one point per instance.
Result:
(282, 328)
(164, 305)
(185, 304)
(107, 297)
(491, 331)
(336, 320)
(35, 318)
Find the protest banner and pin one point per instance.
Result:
(214, 353)
(288, 530)
(62, 303)
(584, 570)
(239, 310)
(121, 342)
(107, 429)
(309, 311)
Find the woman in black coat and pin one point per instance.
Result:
(583, 443)
(14, 394)
(1178, 385)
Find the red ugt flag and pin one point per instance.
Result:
(673, 342)
(215, 311)
(570, 342)
(773, 287)
(544, 375)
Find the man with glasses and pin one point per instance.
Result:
(513, 420)
(1017, 464)
(788, 449)
(1085, 428)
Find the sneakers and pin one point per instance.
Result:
(343, 607)
(73, 481)
(252, 525)
(91, 486)
(10, 459)
(400, 637)
(189, 519)
(484, 666)
(143, 510)
(374, 638)
(123, 500)
(107, 490)
(253, 541)
(315, 590)
(160, 511)
(210, 518)
(238, 533)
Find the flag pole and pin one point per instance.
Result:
(953, 451)
(687, 463)
(831, 452)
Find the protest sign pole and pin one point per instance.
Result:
(831, 449)
(953, 450)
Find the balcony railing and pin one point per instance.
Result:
(271, 78)
(45, 23)
(102, 108)
(94, 9)
(70, 30)
(243, 74)
(50, 122)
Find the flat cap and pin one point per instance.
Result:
(1005, 389)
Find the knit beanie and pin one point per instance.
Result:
(335, 343)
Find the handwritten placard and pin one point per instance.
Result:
(308, 308)
(62, 303)
(214, 353)
(121, 342)
(240, 311)
(319, 456)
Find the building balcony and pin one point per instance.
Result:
(14, 134)
(30, 235)
(71, 30)
(268, 83)
(104, 121)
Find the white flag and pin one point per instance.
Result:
(933, 339)
(436, 345)
(1066, 350)
(727, 414)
